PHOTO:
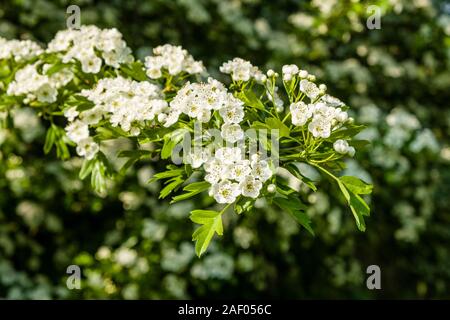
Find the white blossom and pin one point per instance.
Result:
(232, 132)
(300, 113)
(239, 170)
(320, 127)
(77, 131)
(87, 148)
(19, 50)
(242, 70)
(82, 45)
(250, 187)
(30, 83)
(198, 100)
(289, 71)
(173, 59)
(225, 191)
(341, 146)
(261, 170)
(309, 88)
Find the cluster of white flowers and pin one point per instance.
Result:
(231, 175)
(174, 59)
(342, 147)
(35, 86)
(291, 70)
(323, 116)
(242, 70)
(83, 44)
(20, 50)
(123, 102)
(198, 100)
(228, 172)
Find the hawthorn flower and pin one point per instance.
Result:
(90, 63)
(173, 59)
(87, 148)
(126, 103)
(20, 50)
(351, 151)
(35, 86)
(215, 171)
(250, 187)
(77, 131)
(289, 71)
(71, 113)
(239, 171)
(261, 170)
(309, 88)
(228, 155)
(232, 132)
(341, 146)
(277, 101)
(233, 113)
(85, 43)
(46, 93)
(225, 191)
(196, 158)
(198, 100)
(92, 116)
(300, 113)
(242, 70)
(271, 188)
(320, 127)
(331, 101)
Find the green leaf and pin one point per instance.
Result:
(274, 123)
(356, 185)
(250, 99)
(258, 125)
(172, 184)
(294, 207)
(135, 70)
(295, 171)
(348, 186)
(211, 222)
(170, 141)
(98, 177)
(153, 134)
(172, 171)
(193, 188)
(82, 103)
(346, 133)
(55, 137)
(86, 168)
(134, 156)
(56, 67)
(50, 138)
(357, 205)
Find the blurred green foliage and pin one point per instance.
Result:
(131, 245)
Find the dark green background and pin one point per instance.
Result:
(49, 219)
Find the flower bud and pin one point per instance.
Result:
(303, 74)
(271, 188)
